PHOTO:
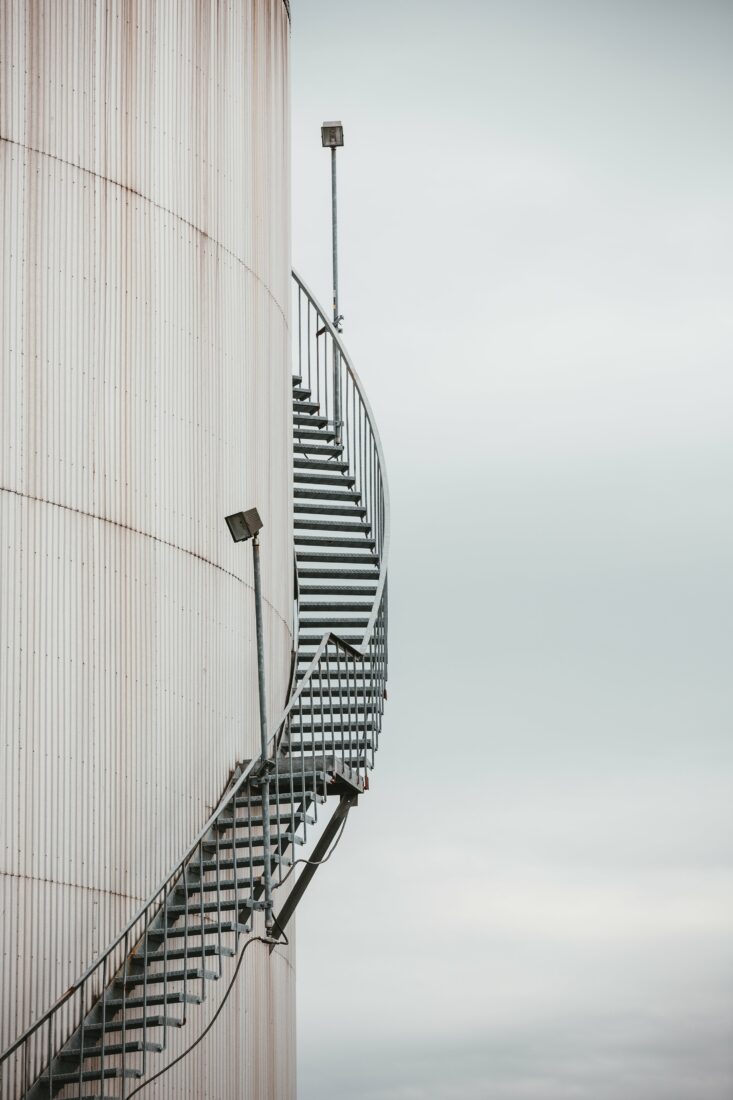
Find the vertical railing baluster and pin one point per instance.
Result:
(287, 732)
(124, 1016)
(185, 929)
(146, 938)
(278, 845)
(104, 1018)
(311, 706)
(185, 890)
(82, 1035)
(218, 900)
(310, 387)
(50, 1056)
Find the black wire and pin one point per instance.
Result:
(313, 862)
(212, 1021)
(255, 939)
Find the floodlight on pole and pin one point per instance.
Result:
(332, 137)
(244, 526)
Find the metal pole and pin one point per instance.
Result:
(266, 843)
(336, 320)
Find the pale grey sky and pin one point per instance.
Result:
(535, 900)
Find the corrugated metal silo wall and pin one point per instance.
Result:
(145, 391)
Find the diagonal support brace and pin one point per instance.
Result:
(319, 852)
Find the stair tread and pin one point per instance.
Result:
(109, 1072)
(336, 606)
(191, 974)
(320, 464)
(175, 953)
(333, 540)
(214, 929)
(133, 1023)
(131, 1046)
(115, 1004)
(323, 479)
(325, 434)
(336, 590)
(327, 571)
(318, 449)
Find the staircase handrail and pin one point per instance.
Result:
(175, 871)
(346, 358)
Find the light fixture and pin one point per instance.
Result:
(332, 135)
(244, 525)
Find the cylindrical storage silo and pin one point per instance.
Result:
(144, 395)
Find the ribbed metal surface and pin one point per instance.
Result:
(144, 394)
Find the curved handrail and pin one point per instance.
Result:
(346, 358)
(175, 871)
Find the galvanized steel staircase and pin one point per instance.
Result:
(108, 1035)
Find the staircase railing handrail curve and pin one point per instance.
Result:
(384, 556)
(152, 906)
(231, 791)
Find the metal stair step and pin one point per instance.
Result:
(216, 928)
(307, 509)
(258, 840)
(319, 464)
(254, 799)
(108, 1073)
(132, 1023)
(353, 745)
(334, 540)
(327, 570)
(194, 909)
(256, 822)
(155, 977)
(301, 404)
(336, 590)
(331, 727)
(330, 709)
(334, 674)
(174, 953)
(334, 624)
(324, 434)
(355, 527)
(242, 885)
(172, 997)
(336, 606)
(358, 761)
(246, 861)
(309, 418)
(297, 379)
(323, 479)
(342, 694)
(132, 1046)
(317, 448)
(352, 639)
(282, 795)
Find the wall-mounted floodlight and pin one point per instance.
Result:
(332, 135)
(244, 525)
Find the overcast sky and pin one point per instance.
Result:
(535, 900)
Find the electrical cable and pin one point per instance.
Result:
(314, 862)
(212, 1021)
(254, 939)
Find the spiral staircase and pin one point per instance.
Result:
(108, 1036)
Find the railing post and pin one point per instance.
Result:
(337, 423)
